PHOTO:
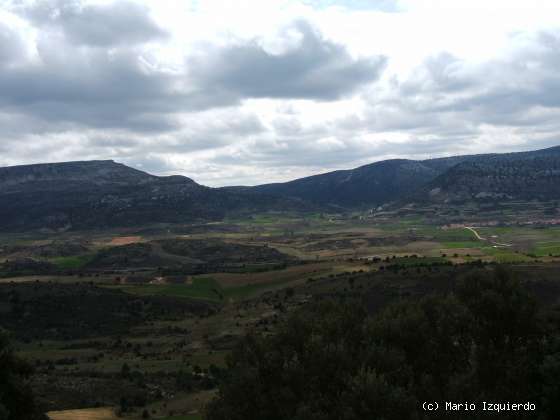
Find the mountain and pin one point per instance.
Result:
(520, 176)
(99, 194)
(97, 173)
(369, 185)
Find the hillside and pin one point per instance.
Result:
(67, 175)
(104, 194)
(100, 194)
(522, 175)
(369, 185)
(512, 176)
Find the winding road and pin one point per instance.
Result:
(480, 238)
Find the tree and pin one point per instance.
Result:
(301, 372)
(125, 371)
(333, 360)
(506, 329)
(16, 398)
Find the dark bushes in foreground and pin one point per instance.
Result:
(485, 342)
(16, 399)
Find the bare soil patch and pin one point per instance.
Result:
(87, 414)
(125, 240)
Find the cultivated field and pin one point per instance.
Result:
(144, 320)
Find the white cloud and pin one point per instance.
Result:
(248, 91)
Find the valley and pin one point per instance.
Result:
(279, 210)
(140, 321)
(129, 295)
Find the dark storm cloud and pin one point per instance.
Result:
(316, 69)
(100, 88)
(211, 131)
(102, 25)
(68, 86)
(76, 86)
(72, 86)
(88, 87)
(202, 133)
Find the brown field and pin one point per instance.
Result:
(125, 240)
(28, 279)
(60, 279)
(86, 414)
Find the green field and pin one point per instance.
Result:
(201, 288)
(544, 249)
(73, 262)
(461, 245)
(506, 256)
(417, 262)
(446, 235)
(206, 288)
(267, 219)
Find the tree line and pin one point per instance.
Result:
(487, 341)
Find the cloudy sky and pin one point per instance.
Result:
(253, 91)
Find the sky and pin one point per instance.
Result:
(247, 92)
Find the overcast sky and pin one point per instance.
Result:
(253, 91)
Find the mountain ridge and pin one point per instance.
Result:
(105, 193)
(392, 180)
(521, 175)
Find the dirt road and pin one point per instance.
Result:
(492, 242)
